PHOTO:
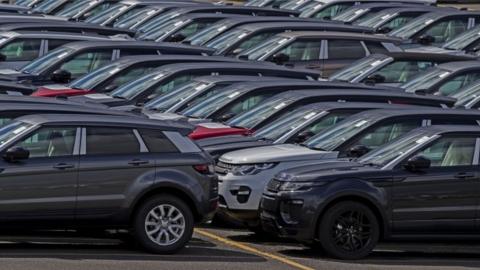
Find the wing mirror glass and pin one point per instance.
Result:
(375, 78)
(226, 117)
(61, 76)
(177, 37)
(16, 154)
(426, 40)
(280, 58)
(384, 30)
(417, 163)
(303, 136)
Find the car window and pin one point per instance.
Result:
(55, 43)
(399, 21)
(96, 10)
(303, 50)
(332, 11)
(194, 28)
(50, 142)
(385, 133)
(325, 122)
(172, 84)
(251, 42)
(21, 49)
(446, 30)
(157, 142)
(111, 141)
(402, 71)
(452, 85)
(450, 151)
(345, 49)
(86, 62)
(375, 47)
(126, 77)
(244, 104)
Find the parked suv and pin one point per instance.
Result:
(72, 173)
(423, 185)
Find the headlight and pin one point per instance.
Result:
(299, 186)
(252, 169)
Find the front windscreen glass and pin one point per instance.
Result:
(360, 67)
(463, 40)
(111, 12)
(45, 62)
(425, 80)
(135, 18)
(208, 33)
(266, 48)
(211, 104)
(227, 39)
(90, 80)
(132, 89)
(414, 26)
(11, 130)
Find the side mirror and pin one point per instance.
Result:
(417, 163)
(303, 136)
(374, 79)
(226, 117)
(421, 92)
(237, 51)
(327, 18)
(176, 38)
(15, 154)
(358, 151)
(243, 57)
(426, 40)
(280, 58)
(3, 57)
(109, 88)
(384, 30)
(61, 76)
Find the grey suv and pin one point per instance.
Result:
(105, 172)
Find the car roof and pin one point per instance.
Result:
(43, 34)
(449, 129)
(33, 100)
(107, 120)
(460, 65)
(252, 8)
(336, 34)
(387, 113)
(336, 105)
(320, 84)
(66, 107)
(208, 15)
(86, 26)
(134, 44)
(319, 24)
(418, 8)
(134, 59)
(412, 55)
(366, 1)
(246, 78)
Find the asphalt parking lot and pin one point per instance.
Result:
(217, 248)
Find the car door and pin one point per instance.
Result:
(301, 53)
(43, 186)
(443, 198)
(113, 162)
(340, 53)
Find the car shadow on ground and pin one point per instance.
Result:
(198, 250)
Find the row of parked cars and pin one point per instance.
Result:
(338, 123)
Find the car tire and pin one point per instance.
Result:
(163, 224)
(348, 231)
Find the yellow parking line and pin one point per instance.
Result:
(253, 250)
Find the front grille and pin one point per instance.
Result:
(273, 185)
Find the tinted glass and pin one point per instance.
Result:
(55, 43)
(21, 49)
(402, 71)
(157, 142)
(447, 152)
(345, 49)
(454, 84)
(303, 50)
(447, 30)
(86, 62)
(50, 142)
(111, 141)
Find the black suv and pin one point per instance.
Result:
(68, 171)
(423, 184)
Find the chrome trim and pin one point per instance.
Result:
(183, 144)
(143, 146)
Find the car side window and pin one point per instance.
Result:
(50, 142)
(345, 49)
(400, 21)
(126, 77)
(446, 30)
(21, 49)
(303, 50)
(375, 47)
(55, 43)
(127, 52)
(157, 142)
(86, 62)
(332, 11)
(251, 42)
(457, 82)
(172, 84)
(402, 71)
(385, 133)
(111, 141)
(450, 151)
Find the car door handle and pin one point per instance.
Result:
(464, 175)
(137, 162)
(63, 166)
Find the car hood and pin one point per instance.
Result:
(327, 171)
(14, 75)
(276, 153)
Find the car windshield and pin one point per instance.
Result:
(259, 113)
(350, 14)
(163, 29)
(76, 8)
(360, 67)
(467, 94)
(264, 49)
(92, 79)
(179, 94)
(133, 88)
(257, 3)
(294, 4)
(45, 62)
(336, 135)
(425, 80)
(389, 152)
(463, 40)
(208, 33)
(139, 16)
(227, 39)
(11, 130)
(290, 121)
(111, 12)
(414, 26)
(378, 19)
(46, 6)
(206, 107)
(158, 20)
(310, 9)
